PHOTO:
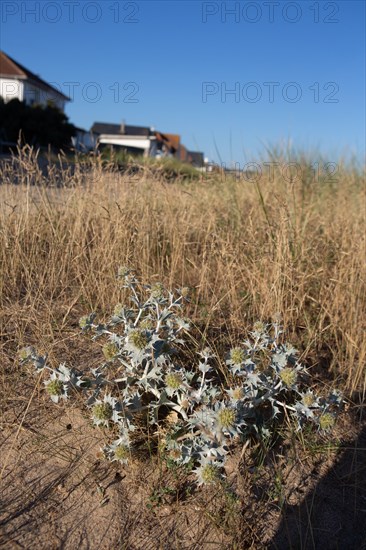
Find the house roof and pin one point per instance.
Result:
(105, 128)
(171, 140)
(81, 130)
(174, 139)
(11, 68)
(120, 129)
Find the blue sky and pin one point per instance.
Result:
(171, 65)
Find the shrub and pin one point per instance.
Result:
(145, 384)
(39, 125)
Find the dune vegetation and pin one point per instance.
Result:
(249, 249)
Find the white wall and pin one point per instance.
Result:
(11, 89)
(136, 142)
(30, 93)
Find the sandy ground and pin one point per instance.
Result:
(58, 492)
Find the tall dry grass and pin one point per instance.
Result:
(248, 250)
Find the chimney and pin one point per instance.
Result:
(122, 127)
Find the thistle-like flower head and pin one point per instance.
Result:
(57, 387)
(147, 323)
(118, 310)
(123, 272)
(121, 453)
(185, 292)
(228, 421)
(157, 291)
(309, 399)
(208, 473)
(119, 450)
(106, 411)
(235, 394)
(174, 380)
(138, 344)
(110, 351)
(237, 356)
(138, 339)
(226, 418)
(288, 377)
(326, 421)
(25, 354)
(259, 328)
(102, 412)
(86, 321)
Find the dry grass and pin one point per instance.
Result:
(299, 251)
(248, 251)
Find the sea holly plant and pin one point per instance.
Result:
(145, 383)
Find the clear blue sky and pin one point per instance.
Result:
(183, 57)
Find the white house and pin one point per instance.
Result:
(134, 139)
(145, 141)
(17, 82)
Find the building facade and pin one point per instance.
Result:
(17, 82)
